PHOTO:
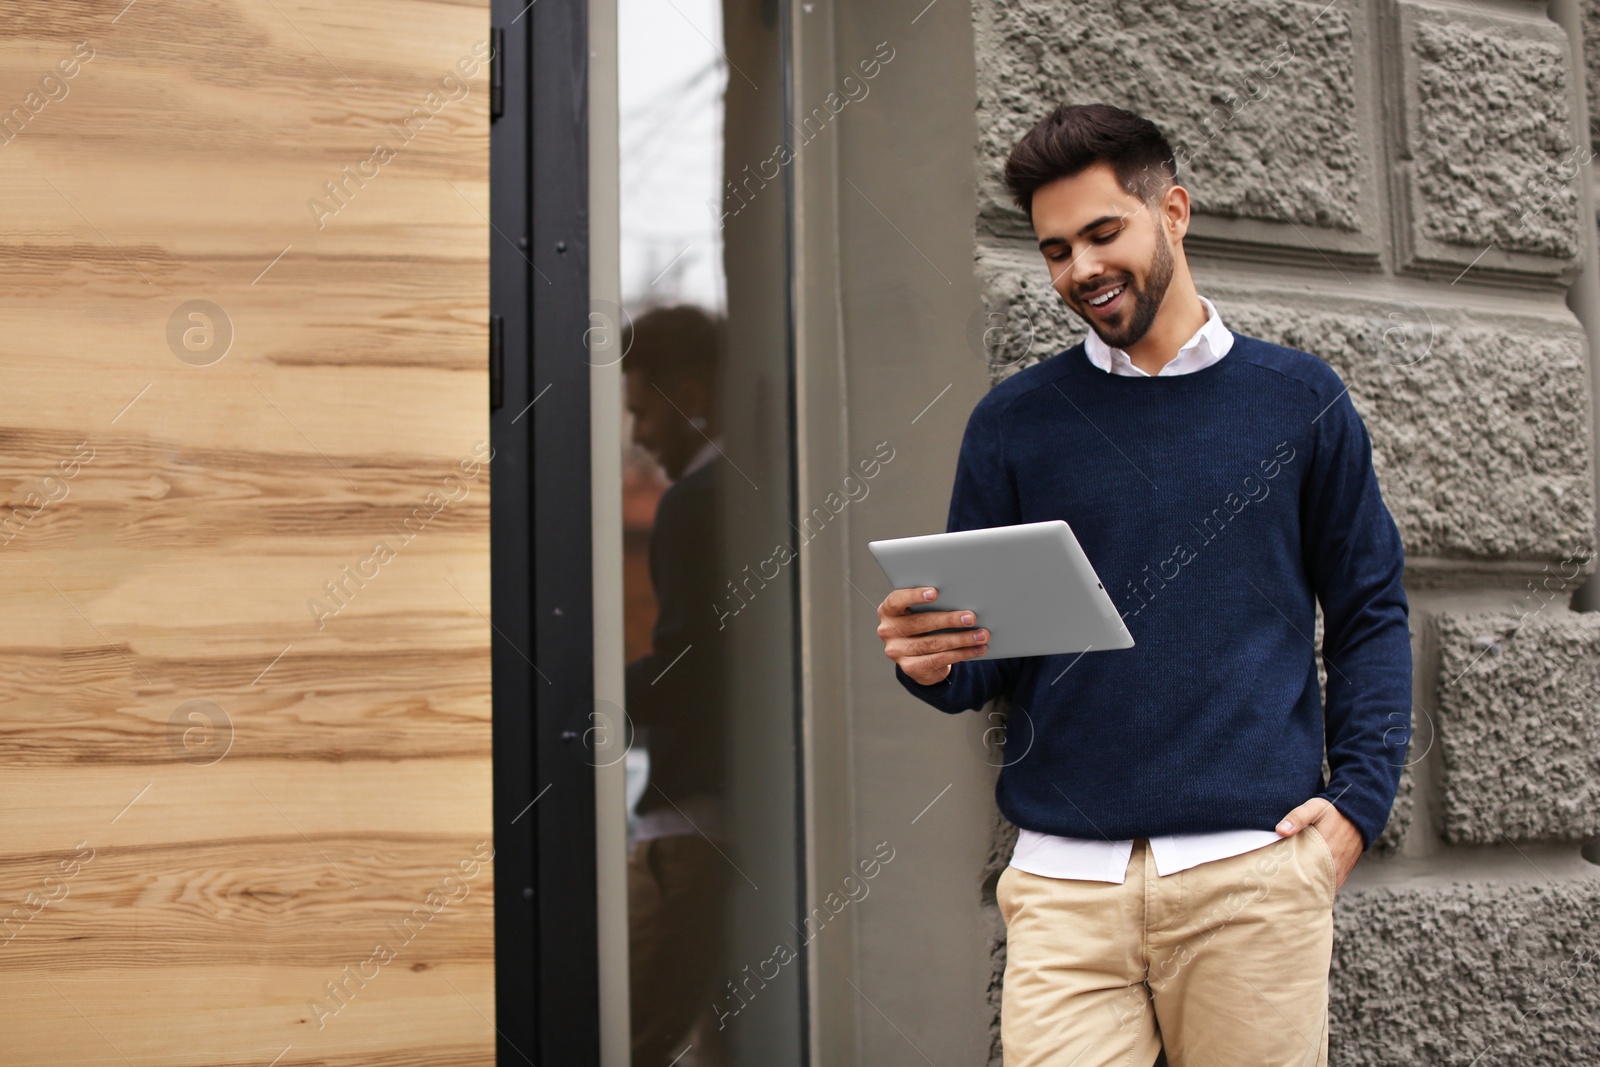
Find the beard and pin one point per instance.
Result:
(1146, 301)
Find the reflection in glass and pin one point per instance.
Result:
(678, 873)
(717, 969)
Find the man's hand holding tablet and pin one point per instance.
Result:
(1030, 582)
(926, 657)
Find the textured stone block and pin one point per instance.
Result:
(1489, 159)
(1478, 973)
(1479, 422)
(1022, 319)
(1405, 804)
(1003, 838)
(1259, 98)
(1517, 721)
(1590, 10)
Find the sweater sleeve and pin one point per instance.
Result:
(1356, 563)
(984, 495)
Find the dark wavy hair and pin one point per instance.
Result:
(1074, 137)
(671, 345)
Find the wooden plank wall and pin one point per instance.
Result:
(237, 827)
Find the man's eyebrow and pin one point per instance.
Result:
(1101, 221)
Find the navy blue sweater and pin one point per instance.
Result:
(1218, 508)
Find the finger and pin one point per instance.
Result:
(899, 601)
(1303, 814)
(972, 642)
(939, 660)
(921, 622)
(895, 614)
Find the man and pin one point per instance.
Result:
(1178, 854)
(677, 874)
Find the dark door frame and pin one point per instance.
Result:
(547, 982)
(546, 959)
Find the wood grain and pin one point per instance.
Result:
(172, 513)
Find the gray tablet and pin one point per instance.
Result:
(1030, 586)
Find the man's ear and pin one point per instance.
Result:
(1175, 211)
(694, 397)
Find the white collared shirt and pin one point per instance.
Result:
(708, 452)
(1209, 344)
(1103, 860)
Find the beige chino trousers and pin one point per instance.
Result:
(1224, 964)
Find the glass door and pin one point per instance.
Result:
(716, 973)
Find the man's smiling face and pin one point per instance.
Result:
(1107, 250)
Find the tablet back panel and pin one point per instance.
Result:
(1030, 585)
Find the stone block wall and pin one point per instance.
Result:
(1400, 189)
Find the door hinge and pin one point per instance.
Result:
(497, 74)
(497, 362)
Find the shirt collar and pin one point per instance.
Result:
(1215, 338)
(707, 453)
